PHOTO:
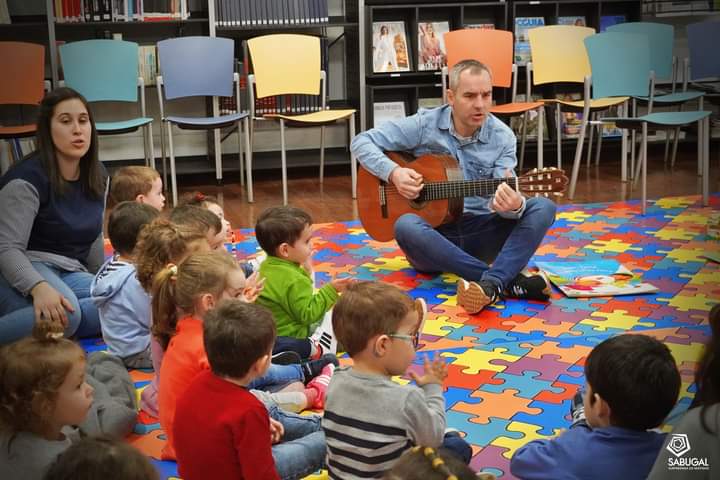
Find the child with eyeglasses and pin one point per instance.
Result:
(379, 326)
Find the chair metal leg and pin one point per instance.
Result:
(623, 146)
(598, 149)
(151, 145)
(322, 154)
(218, 157)
(173, 177)
(632, 141)
(523, 140)
(578, 157)
(558, 131)
(163, 152)
(699, 164)
(638, 160)
(353, 158)
(284, 161)
(540, 133)
(591, 127)
(248, 159)
(240, 127)
(644, 168)
(704, 139)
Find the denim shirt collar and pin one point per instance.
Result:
(480, 135)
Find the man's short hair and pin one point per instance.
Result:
(278, 225)
(637, 376)
(196, 217)
(126, 221)
(129, 182)
(475, 67)
(236, 334)
(367, 309)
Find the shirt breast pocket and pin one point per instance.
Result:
(477, 165)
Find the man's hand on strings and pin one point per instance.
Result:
(408, 182)
(506, 199)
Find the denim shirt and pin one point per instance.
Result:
(487, 154)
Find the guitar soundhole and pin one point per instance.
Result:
(419, 203)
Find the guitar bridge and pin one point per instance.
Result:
(383, 202)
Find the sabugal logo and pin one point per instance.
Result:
(679, 444)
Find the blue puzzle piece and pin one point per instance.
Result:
(454, 395)
(553, 416)
(527, 385)
(480, 434)
(577, 379)
(572, 305)
(520, 307)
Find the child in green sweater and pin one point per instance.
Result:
(285, 233)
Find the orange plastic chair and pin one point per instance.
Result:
(494, 48)
(559, 56)
(21, 83)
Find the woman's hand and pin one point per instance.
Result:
(49, 304)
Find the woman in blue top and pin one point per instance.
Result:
(51, 224)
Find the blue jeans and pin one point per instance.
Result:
(17, 315)
(301, 450)
(454, 443)
(277, 377)
(467, 246)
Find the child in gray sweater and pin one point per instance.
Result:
(369, 420)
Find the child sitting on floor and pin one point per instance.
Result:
(632, 385)
(429, 464)
(239, 437)
(182, 297)
(123, 305)
(369, 420)
(43, 395)
(202, 219)
(137, 184)
(285, 234)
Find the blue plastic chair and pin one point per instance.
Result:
(661, 38)
(107, 71)
(200, 66)
(704, 59)
(608, 50)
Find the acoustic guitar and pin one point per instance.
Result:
(441, 199)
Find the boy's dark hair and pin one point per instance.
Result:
(125, 223)
(196, 217)
(707, 375)
(236, 334)
(101, 457)
(637, 376)
(278, 225)
(367, 309)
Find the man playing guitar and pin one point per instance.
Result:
(505, 229)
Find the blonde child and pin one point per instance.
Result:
(285, 233)
(182, 297)
(137, 184)
(43, 394)
(161, 243)
(240, 437)
(431, 464)
(200, 218)
(379, 326)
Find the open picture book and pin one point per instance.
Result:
(594, 278)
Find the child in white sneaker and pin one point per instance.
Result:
(285, 233)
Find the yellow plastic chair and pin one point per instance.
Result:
(299, 72)
(494, 48)
(559, 56)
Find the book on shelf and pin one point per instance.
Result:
(522, 42)
(570, 122)
(67, 11)
(429, 102)
(482, 26)
(594, 278)
(384, 111)
(577, 21)
(4, 12)
(610, 20)
(432, 54)
(531, 127)
(234, 13)
(147, 63)
(390, 47)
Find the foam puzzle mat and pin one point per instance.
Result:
(515, 366)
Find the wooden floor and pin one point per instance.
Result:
(332, 201)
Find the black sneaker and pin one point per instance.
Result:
(474, 296)
(313, 368)
(286, 358)
(577, 410)
(529, 287)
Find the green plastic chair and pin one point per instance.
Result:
(107, 71)
(661, 38)
(636, 79)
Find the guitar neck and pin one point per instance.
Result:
(465, 188)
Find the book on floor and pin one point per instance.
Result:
(594, 278)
